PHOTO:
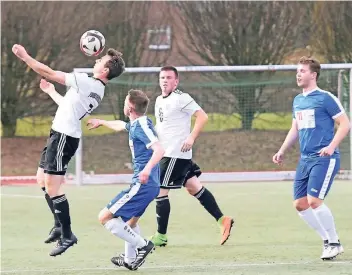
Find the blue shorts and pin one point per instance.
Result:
(314, 177)
(133, 201)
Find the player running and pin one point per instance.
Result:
(314, 113)
(121, 214)
(84, 95)
(173, 111)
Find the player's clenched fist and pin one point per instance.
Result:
(93, 123)
(187, 145)
(326, 151)
(278, 158)
(46, 86)
(144, 176)
(19, 51)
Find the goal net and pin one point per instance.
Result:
(249, 109)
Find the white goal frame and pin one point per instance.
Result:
(81, 178)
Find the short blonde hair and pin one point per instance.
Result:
(139, 100)
(314, 64)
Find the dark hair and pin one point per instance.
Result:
(116, 64)
(314, 65)
(140, 101)
(170, 68)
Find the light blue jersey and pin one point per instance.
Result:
(141, 137)
(315, 113)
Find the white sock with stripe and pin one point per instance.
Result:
(326, 219)
(311, 219)
(130, 249)
(122, 230)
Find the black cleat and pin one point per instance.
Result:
(63, 244)
(142, 254)
(54, 235)
(120, 261)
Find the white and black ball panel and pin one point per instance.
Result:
(92, 43)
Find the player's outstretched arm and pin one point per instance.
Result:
(38, 67)
(158, 153)
(290, 139)
(49, 88)
(116, 125)
(201, 120)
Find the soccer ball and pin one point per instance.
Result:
(92, 43)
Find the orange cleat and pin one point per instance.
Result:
(226, 226)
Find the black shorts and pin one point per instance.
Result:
(174, 172)
(57, 153)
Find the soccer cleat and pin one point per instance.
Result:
(63, 244)
(120, 261)
(331, 251)
(159, 239)
(142, 254)
(325, 247)
(54, 235)
(341, 250)
(225, 228)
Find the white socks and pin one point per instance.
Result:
(122, 230)
(311, 219)
(131, 250)
(326, 220)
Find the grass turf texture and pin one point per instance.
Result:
(269, 237)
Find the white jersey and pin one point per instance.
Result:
(84, 95)
(173, 115)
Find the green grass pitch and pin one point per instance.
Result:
(268, 238)
(40, 126)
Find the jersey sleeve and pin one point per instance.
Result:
(128, 126)
(333, 106)
(188, 104)
(146, 134)
(78, 81)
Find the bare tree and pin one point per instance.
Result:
(47, 30)
(130, 34)
(241, 33)
(331, 30)
(50, 31)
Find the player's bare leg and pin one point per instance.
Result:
(326, 219)
(162, 215)
(206, 198)
(123, 230)
(62, 210)
(55, 232)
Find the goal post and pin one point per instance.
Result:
(213, 80)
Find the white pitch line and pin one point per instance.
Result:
(22, 196)
(178, 267)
